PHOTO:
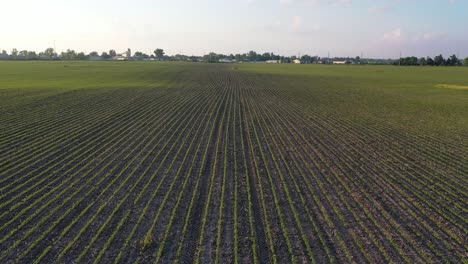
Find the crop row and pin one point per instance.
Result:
(219, 165)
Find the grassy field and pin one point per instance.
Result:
(174, 162)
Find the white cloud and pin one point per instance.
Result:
(429, 36)
(394, 35)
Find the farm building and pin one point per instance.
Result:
(95, 58)
(123, 56)
(226, 60)
(340, 62)
(297, 61)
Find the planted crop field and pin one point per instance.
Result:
(170, 162)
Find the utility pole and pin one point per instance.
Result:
(55, 51)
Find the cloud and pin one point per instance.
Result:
(394, 35)
(428, 36)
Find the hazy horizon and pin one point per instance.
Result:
(378, 29)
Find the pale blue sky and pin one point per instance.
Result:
(379, 28)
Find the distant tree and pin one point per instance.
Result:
(32, 55)
(49, 53)
(4, 52)
(357, 60)
(422, 61)
(14, 53)
(177, 57)
(252, 56)
(453, 61)
(93, 54)
(306, 59)
(23, 54)
(211, 57)
(105, 56)
(112, 53)
(448, 62)
(409, 61)
(266, 56)
(430, 61)
(68, 55)
(140, 55)
(275, 57)
(285, 59)
(439, 60)
(466, 61)
(81, 56)
(413, 61)
(159, 53)
(309, 59)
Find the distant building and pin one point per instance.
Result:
(127, 55)
(297, 61)
(272, 61)
(95, 58)
(226, 60)
(340, 62)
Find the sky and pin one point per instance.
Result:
(375, 28)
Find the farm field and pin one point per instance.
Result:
(110, 162)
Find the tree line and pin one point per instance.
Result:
(159, 54)
(251, 56)
(438, 60)
(51, 54)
